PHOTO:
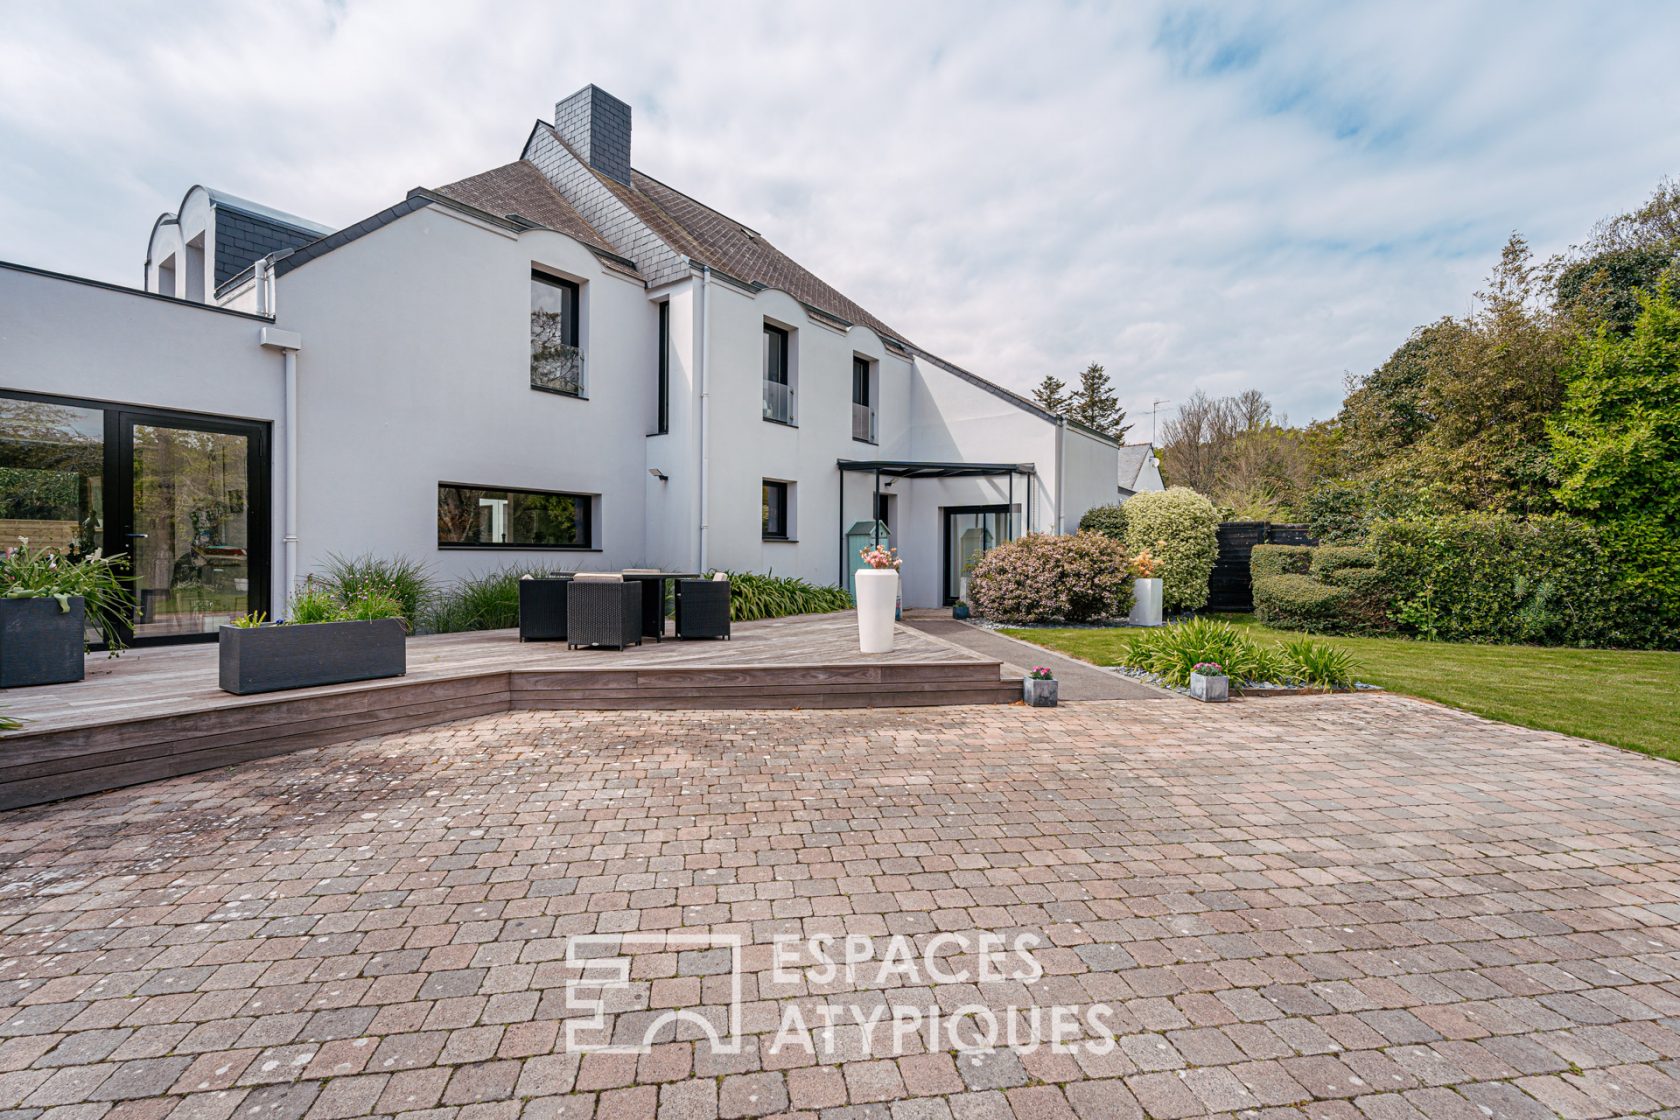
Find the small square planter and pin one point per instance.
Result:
(1039, 694)
(40, 642)
(959, 610)
(272, 658)
(1210, 689)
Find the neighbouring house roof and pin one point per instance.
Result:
(519, 189)
(1134, 457)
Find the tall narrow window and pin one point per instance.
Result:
(556, 359)
(778, 381)
(776, 510)
(663, 420)
(863, 400)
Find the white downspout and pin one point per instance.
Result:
(288, 343)
(705, 415)
(1061, 463)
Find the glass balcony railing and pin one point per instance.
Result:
(778, 402)
(863, 423)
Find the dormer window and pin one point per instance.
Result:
(556, 356)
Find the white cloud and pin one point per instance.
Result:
(1220, 197)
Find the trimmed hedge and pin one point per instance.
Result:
(1110, 521)
(1181, 528)
(1279, 560)
(1327, 560)
(1299, 602)
(1482, 577)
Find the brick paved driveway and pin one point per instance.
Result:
(1332, 907)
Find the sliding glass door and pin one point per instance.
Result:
(184, 497)
(970, 532)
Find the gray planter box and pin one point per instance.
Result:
(41, 643)
(1039, 694)
(272, 658)
(1211, 690)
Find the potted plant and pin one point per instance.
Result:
(1038, 689)
(1146, 590)
(959, 609)
(325, 641)
(877, 598)
(47, 601)
(1209, 683)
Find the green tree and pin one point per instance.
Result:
(1095, 405)
(1051, 395)
(1616, 449)
(1490, 387)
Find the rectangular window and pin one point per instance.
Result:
(556, 359)
(778, 376)
(776, 510)
(481, 517)
(664, 406)
(860, 381)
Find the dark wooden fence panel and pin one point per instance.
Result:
(1229, 588)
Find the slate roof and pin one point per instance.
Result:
(713, 238)
(519, 188)
(743, 252)
(1133, 458)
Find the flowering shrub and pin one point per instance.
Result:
(1208, 669)
(1144, 565)
(1040, 578)
(1040, 673)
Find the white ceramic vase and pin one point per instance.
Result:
(877, 598)
(1146, 602)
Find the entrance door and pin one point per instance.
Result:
(193, 521)
(969, 532)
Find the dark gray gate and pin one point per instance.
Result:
(1229, 588)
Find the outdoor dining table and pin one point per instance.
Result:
(653, 599)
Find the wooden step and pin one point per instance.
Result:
(70, 761)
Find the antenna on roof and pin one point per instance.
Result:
(1153, 405)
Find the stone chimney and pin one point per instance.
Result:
(597, 127)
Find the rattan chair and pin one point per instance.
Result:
(603, 610)
(542, 609)
(703, 608)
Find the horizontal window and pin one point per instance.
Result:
(475, 516)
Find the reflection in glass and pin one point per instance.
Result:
(470, 515)
(52, 464)
(970, 534)
(192, 561)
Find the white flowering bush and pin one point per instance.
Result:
(1181, 530)
(1044, 578)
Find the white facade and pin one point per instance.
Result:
(414, 371)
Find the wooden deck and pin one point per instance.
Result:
(156, 713)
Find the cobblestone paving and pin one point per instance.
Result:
(1332, 907)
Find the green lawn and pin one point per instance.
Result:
(1625, 698)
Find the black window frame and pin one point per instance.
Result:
(586, 521)
(571, 332)
(663, 419)
(862, 371)
(781, 350)
(775, 497)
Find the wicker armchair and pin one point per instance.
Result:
(603, 610)
(703, 608)
(542, 609)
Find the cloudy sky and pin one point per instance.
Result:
(1212, 196)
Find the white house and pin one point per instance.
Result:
(557, 363)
